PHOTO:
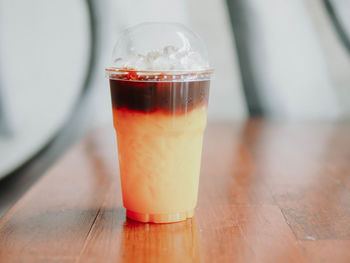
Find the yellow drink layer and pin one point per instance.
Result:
(159, 158)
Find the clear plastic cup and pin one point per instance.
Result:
(159, 88)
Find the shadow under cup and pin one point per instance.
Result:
(159, 125)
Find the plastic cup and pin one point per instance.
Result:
(159, 117)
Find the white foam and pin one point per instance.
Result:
(169, 58)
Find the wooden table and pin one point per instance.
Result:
(269, 192)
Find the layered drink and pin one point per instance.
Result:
(159, 117)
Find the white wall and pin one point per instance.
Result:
(43, 56)
(288, 62)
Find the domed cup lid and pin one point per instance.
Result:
(159, 52)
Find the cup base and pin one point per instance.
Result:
(159, 218)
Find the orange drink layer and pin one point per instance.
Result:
(159, 126)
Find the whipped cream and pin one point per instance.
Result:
(169, 58)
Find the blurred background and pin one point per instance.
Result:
(284, 60)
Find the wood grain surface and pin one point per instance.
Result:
(269, 192)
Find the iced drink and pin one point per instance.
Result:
(160, 129)
(159, 118)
